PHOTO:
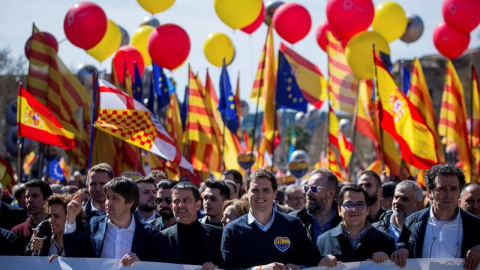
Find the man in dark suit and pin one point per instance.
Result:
(119, 234)
(97, 177)
(442, 230)
(10, 216)
(189, 241)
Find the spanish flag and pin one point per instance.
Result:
(37, 122)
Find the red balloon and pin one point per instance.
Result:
(124, 60)
(85, 25)
(254, 26)
(44, 37)
(321, 34)
(462, 15)
(450, 42)
(292, 22)
(169, 46)
(348, 17)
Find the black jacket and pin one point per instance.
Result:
(11, 216)
(308, 221)
(89, 212)
(384, 223)
(413, 232)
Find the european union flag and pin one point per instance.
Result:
(55, 171)
(184, 108)
(226, 103)
(151, 95)
(162, 86)
(288, 93)
(137, 86)
(406, 80)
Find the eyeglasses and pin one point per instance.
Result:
(358, 206)
(159, 200)
(314, 189)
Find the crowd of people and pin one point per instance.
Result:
(256, 224)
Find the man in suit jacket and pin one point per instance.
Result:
(97, 177)
(189, 241)
(442, 230)
(119, 234)
(10, 216)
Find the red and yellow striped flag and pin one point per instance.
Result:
(475, 122)
(338, 139)
(6, 175)
(342, 84)
(174, 127)
(330, 162)
(238, 102)
(420, 97)
(453, 117)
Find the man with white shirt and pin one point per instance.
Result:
(119, 234)
(147, 192)
(442, 230)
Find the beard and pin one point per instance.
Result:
(373, 199)
(166, 213)
(314, 205)
(146, 208)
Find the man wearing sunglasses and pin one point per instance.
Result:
(320, 212)
(354, 239)
(146, 203)
(164, 208)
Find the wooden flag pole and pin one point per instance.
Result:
(92, 128)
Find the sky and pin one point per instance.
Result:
(199, 19)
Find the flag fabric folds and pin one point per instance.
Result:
(475, 122)
(342, 84)
(129, 120)
(337, 138)
(38, 123)
(55, 171)
(453, 117)
(162, 86)
(289, 94)
(137, 85)
(6, 175)
(226, 103)
(400, 118)
(420, 97)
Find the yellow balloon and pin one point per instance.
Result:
(140, 42)
(359, 53)
(390, 20)
(218, 46)
(238, 13)
(109, 44)
(155, 6)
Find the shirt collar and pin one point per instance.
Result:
(435, 221)
(251, 219)
(131, 226)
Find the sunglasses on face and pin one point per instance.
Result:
(358, 206)
(314, 189)
(159, 200)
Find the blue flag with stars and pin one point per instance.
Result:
(226, 103)
(184, 107)
(55, 171)
(289, 94)
(162, 86)
(406, 80)
(151, 95)
(137, 86)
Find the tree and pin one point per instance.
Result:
(303, 137)
(10, 65)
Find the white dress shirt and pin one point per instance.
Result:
(118, 242)
(443, 239)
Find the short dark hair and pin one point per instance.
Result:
(388, 189)
(166, 184)
(146, 179)
(221, 186)
(262, 174)
(237, 176)
(188, 186)
(101, 167)
(468, 185)
(375, 176)
(352, 188)
(332, 179)
(157, 173)
(444, 170)
(280, 196)
(63, 200)
(231, 182)
(126, 187)
(44, 187)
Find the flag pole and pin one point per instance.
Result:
(402, 78)
(40, 161)
(273, 139)
(20, 139)
(92, 128)
(471, 125)
(48, 162)
(223, 113)
(354, 132)
(377, 97)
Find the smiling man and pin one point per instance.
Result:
(354, 239)
(442, 230)
(278, 240)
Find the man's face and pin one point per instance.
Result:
(212, 202)
(368, 183)
(147, 192)
(355, 217)
(164, 208)
(470, 200)
(233, 194)
(323, 198)
(184, 206)
(446, 193)
(35, 200)
(95, 186)
(115, 206)
(230, 177)
(296, 199)
(261, 195)
(404, 202)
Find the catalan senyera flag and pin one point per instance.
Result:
(125, 118)
(342, 84)
(37, 122)
(400, 118)
(337, 138)
(308, 76)
(420, 97)
(475, 122)
(453, 117)
(329, 162)
(6, 175)
(28, 162)
(238, 103)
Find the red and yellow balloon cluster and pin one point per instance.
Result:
(451, 37)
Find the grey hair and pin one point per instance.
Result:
(418, 196)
